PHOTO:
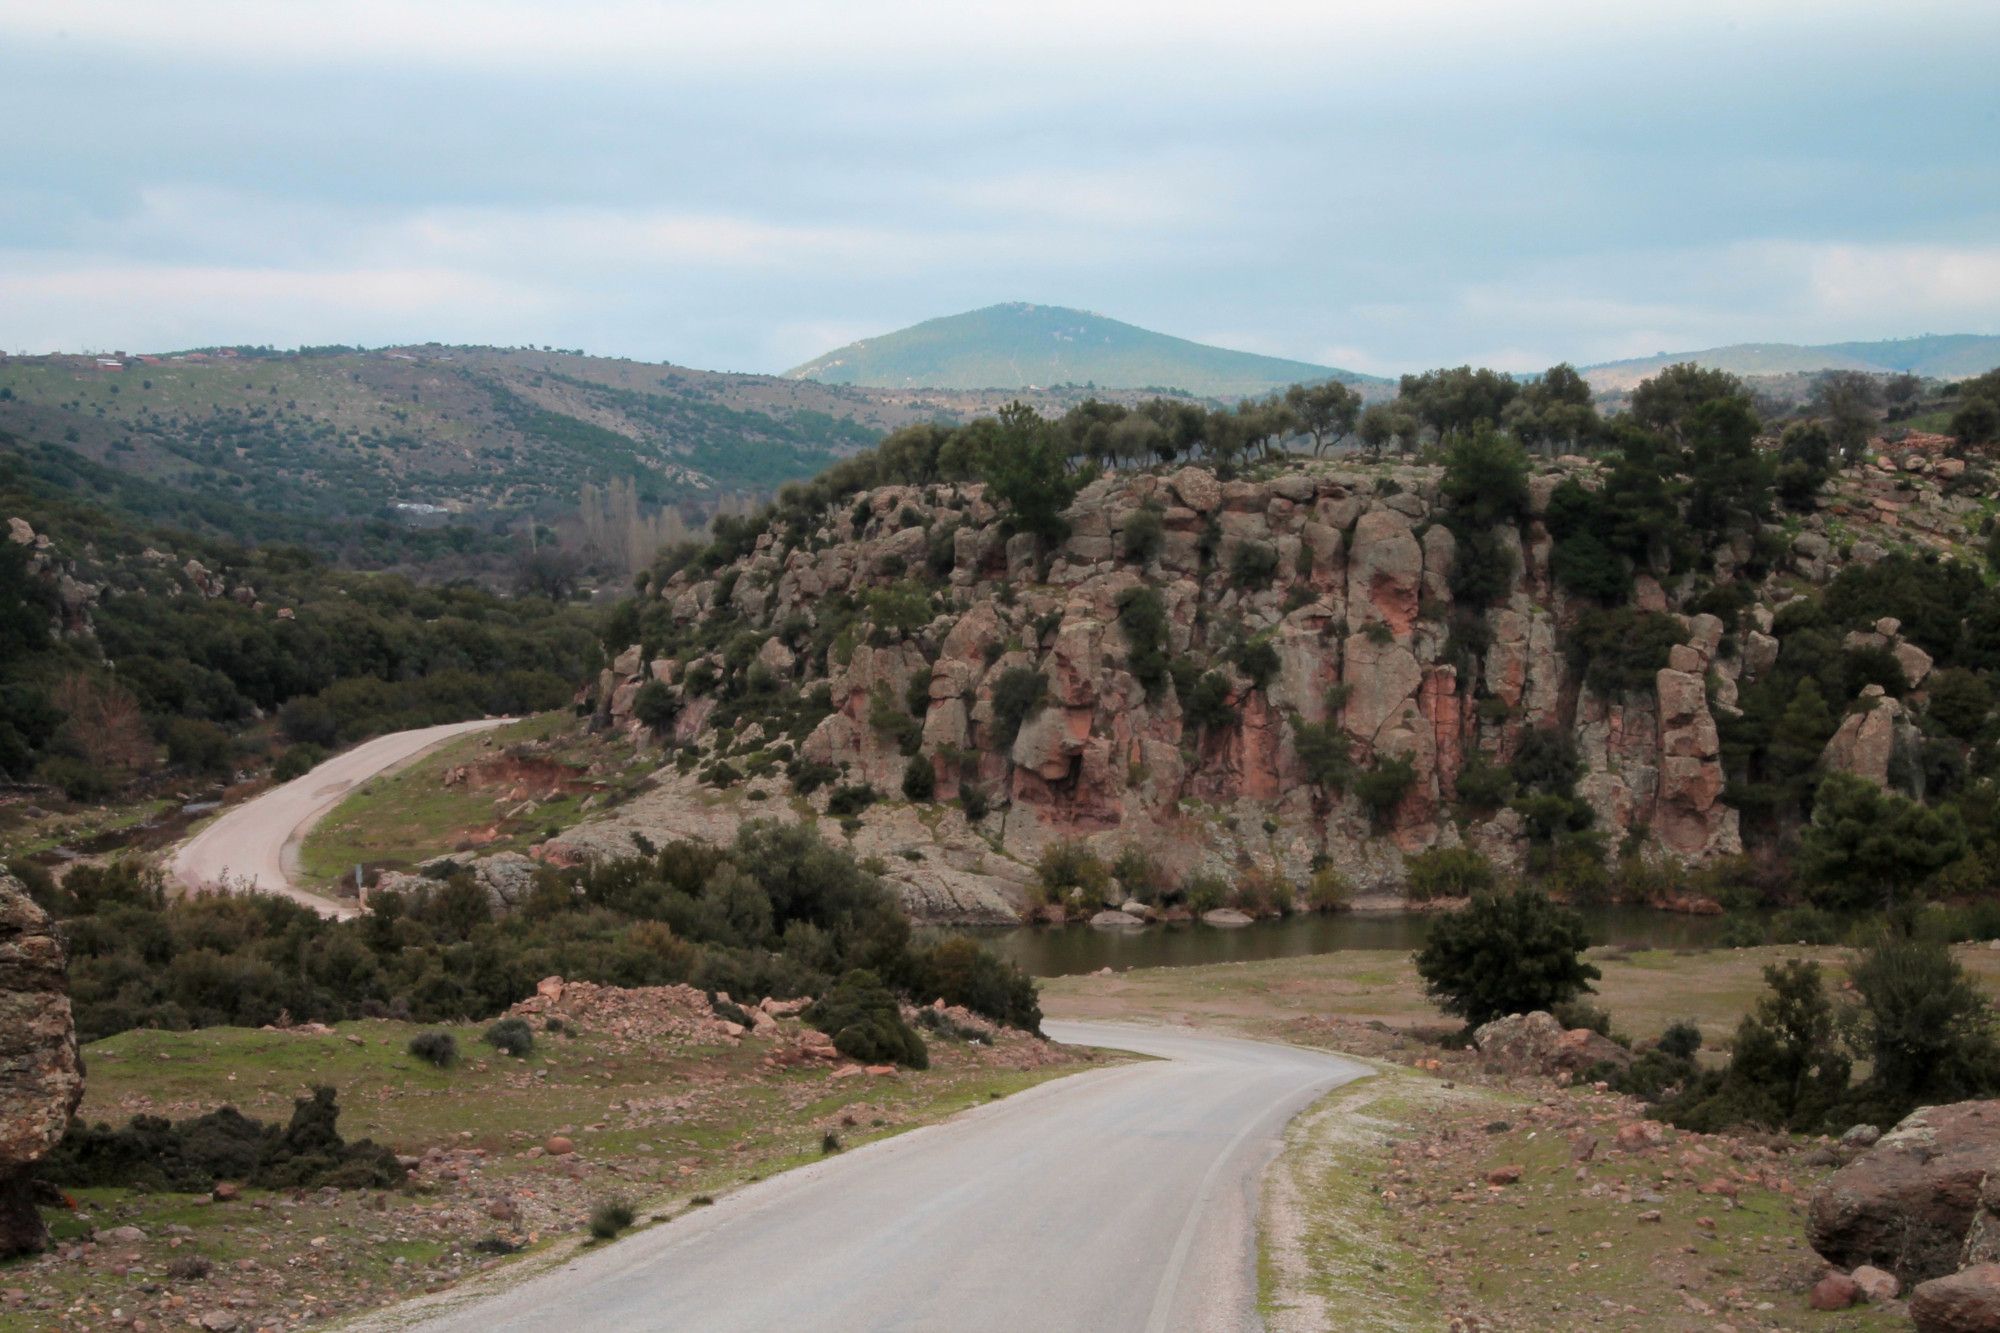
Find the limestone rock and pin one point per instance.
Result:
(41, 1072)
(1535, 1043)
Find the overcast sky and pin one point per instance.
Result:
(740, 186)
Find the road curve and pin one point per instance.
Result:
(257, 842)
(1119, 1199)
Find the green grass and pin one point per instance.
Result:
(410, 815)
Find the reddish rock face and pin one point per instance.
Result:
(1355, 626)
(41, 1072)
(1911, 1203)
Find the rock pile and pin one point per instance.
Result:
(41, 1072)
(1536, 1044)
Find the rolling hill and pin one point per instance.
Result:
(1021, 346)
(1945, 356)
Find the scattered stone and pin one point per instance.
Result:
(1877, 1286)
(558, 1146)
(1835, 1291)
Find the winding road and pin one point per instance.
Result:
(1116, 1200)
(256, 844)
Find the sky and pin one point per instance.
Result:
(744, 185)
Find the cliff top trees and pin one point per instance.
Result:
(1326, 412)
(1456, 400)
(1026, 464)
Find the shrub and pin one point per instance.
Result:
(1207, 706)
(437, 1049)
(975, 802)
(1484, 785)
(655, 705)
(511, 1036)
(1865, 845)
(850, 799)
(1323, 749)
(1253, 565)
(297, 761)
(1145, 532)
(1681, 1039)
(190, 1156)
(1448, 872)
(1505, 954)
(1017, 696)
(829, 1144)
(1786, 1069)
(1328, 890)
(1205, 892)
(919, 778)
(1925, 1028)
(1137, 874)
(1382, 788)
(866, 1023)
(1622, 651)
(1259, 661)
(1069, 872)
(1143, 618)
(198, 746)
(610, 1218)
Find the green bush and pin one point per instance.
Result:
(1207, 707)
(511, 1036)
(866, 1023)
(1253, 565)
(919, 778)
(297, 761)
(1448, 872)
(1924, 1027)
(1786, 1069)
(1017, 696)
(1504, 954)
(1143, 618)
(1069, 872)
(1145, 532)
(850, 799)
(1382, 788)
(199, 746)
(1483, 785)
(190, 1156)
(609, 1219)
(437, 1049)
(655, 705)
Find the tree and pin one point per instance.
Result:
(1786, 1069)
(1555, 409)
(1505, 953)
(1865, 846)
(1027, 468)
(1976, 422)
(1485, 480)
(1668, 401)
(1327, 411)
(1924, 1027)
(1805, 461)
(1729, 477)
(1457, 400)
(1850, 401)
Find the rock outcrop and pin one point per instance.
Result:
(1339, 576)
(1967, 1301)
(1537, 1044)
(1918, 1203)
(41, 1072)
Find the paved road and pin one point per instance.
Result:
(1121, 1199)
(258, 840)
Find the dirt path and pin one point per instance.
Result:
(256, 844)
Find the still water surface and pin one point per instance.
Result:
(1059, 951)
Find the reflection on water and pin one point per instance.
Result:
(1058, 951)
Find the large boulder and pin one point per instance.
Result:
(1536, 1043)
(1962, 1302)
(41, 1072)
(1910, 1203)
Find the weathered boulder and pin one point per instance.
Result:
(1536, 1043)
(1868, 738)
(1962, 1302)
(41, 1071)
(1908, 1204)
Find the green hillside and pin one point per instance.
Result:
(1036, 346)
(1946, 356)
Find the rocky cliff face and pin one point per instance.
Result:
(41, 1074)
(1345, 571)
(1357, 607)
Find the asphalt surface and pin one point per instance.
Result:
(257, 842)
(1118, 1199)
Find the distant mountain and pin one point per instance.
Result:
(1946, 356)
(1035, 346)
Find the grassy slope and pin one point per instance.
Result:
(1020, 345)
(410, 815)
